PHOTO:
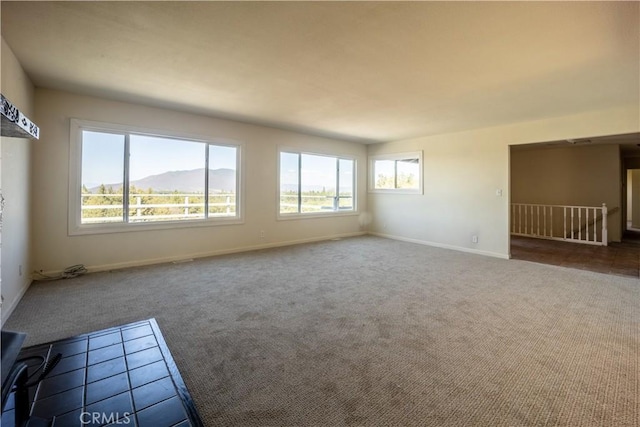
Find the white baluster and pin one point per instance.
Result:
(579, 223)
(572, 223)
(520, 219)
(586, 211)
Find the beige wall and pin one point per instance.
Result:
(15, 180)
(462, 173)
(574, 175)
(55, 249)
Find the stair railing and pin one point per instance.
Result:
(579, 224)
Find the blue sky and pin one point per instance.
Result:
(316, 171)
(103, 160)
(103, 157)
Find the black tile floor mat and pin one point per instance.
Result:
(118, 376)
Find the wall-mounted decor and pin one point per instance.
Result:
(16, 124)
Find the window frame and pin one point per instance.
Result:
(395, 157)
(325, 214)
(75, 225)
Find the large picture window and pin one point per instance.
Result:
(396, 173)
(127, 177)
(315, 184)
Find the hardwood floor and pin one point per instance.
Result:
(618, 258)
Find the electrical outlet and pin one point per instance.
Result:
(20, 270)
(262, 234)
(474, 239)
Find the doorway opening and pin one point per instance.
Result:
(631, 233)
(568, 174)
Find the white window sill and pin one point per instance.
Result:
(332, 214)
(87, 229)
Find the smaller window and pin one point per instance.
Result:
(396, 173)
(315, 184)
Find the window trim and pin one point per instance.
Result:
(395, 157)
(329, 214)
(75, 226)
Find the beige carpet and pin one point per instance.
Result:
(373, 332)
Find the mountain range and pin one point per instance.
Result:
(191, 181)
(188, 181)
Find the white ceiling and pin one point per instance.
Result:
(362, 71)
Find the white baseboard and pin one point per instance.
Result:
(441, 245)
(6, 312)
(183, 257)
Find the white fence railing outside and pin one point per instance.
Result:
(141, 211)
(191, 206)
(580, 224)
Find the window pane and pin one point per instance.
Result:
(345, 201)
(223, 186)
(408, 173)
(318, 177)
(312, 183)
(289, 182)
(166, 179)
(384, 173)
(102, 177)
